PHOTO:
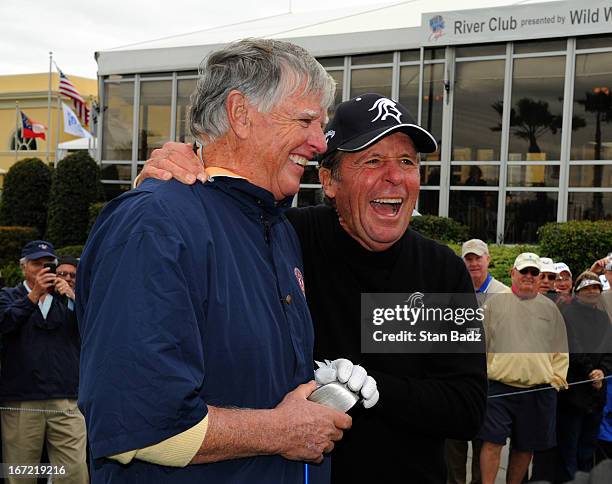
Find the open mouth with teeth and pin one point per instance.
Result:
(387, 207)
(299, 160)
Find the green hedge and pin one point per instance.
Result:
(439, 228)
(502, 258)
(577, 243)
(25, 195)
(11, 274)
(12, 240)
(70, 250)
(76, 185)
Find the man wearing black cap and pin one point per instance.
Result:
(40, 371)
(361, 243)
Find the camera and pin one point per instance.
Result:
(52, 267)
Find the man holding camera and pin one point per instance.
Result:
(40, 371)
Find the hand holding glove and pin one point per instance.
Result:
(356, 378)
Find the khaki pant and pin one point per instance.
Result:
(24, 432)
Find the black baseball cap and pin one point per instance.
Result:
(365, 119)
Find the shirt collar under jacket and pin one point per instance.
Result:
(253, 199)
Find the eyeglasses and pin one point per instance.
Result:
(530, 270)
(550, 277)
(72, 275)
(564, 278)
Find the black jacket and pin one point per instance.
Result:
(589, 335)
(424, 398)
(40, 357)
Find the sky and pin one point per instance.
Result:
(74, 29)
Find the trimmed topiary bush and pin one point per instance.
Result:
(577, 243)
(94, 211)
(439, 228)
(76, 185)
(25, 197)
(12, 240)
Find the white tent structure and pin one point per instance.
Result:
(79, 144)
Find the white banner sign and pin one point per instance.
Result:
(520, 22)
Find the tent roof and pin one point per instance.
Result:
(324, 33)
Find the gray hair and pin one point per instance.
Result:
(264, 70)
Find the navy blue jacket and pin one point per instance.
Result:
(40, 357)
(189, 296)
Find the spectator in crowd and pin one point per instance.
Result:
(476, 256)
(548, 276)
(66, 277)
(604, 444)
(40, 370)
(520, 356)
(362, 244)
(603, 267)
(191, 299)
(563, 283)
(580, 407)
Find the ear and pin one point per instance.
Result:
(329, 184)
(237, 107)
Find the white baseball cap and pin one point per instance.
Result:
(527, 259)
(547, 265)
(562, 267)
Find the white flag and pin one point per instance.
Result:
(72, 125)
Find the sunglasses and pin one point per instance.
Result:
(72, 275)
(530, 270)
(550, 277)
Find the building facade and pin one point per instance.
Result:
(518, 97)
(29, 92)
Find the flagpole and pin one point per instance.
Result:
(49, 105)
(16, 126)
(59, 109)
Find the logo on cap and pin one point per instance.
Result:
(43, 246)
(330, 134)
(386, 108)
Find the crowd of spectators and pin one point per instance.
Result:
(549, 353)
(569, 429)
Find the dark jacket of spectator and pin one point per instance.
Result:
(588, 330)
(40, 357)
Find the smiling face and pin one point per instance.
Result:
(589, 294)
(526, 284)
(376, 190)
(563, 283)
(284, 139)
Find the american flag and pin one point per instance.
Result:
(67, 89)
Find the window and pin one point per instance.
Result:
(184, 89)
(592, 121)
(23, 144)
(433, 101)
(118, 120)
(526, 212)
(477, 113)
(537, 107)
(154, 120)
(477, 210)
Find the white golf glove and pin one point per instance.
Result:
(356, 378)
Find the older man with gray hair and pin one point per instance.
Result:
(197, 340)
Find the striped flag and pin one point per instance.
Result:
(31, 128)
(67, 89)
